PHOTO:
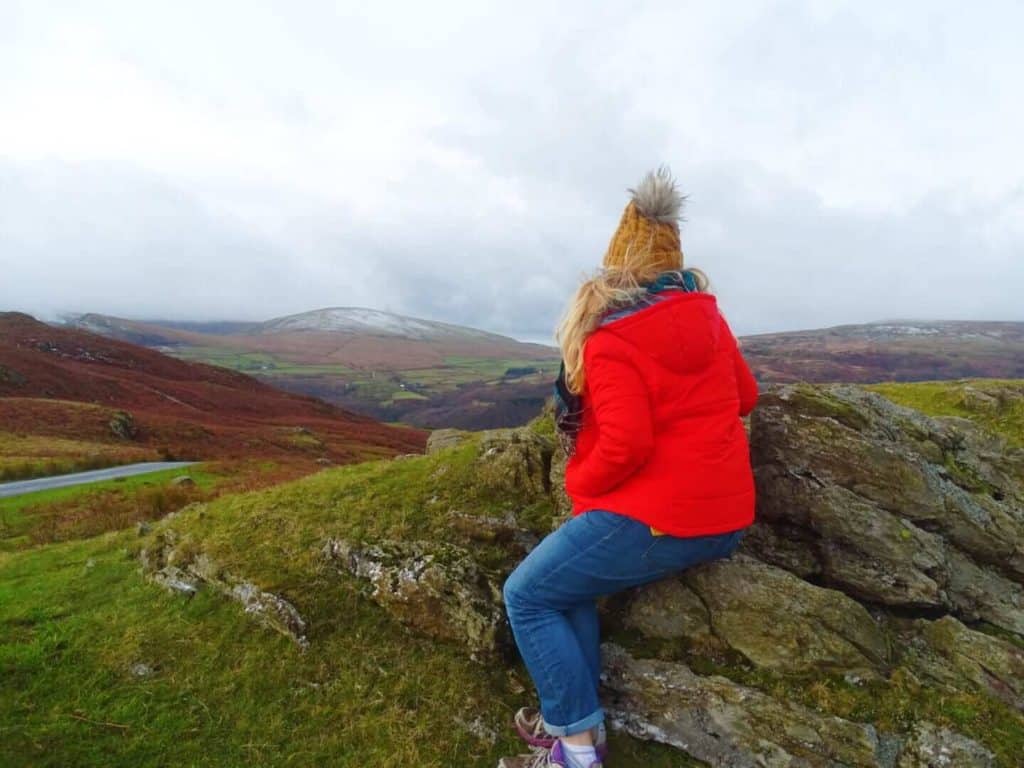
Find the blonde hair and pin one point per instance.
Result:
(645, 245)
(606, 290)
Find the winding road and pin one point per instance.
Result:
(94, 476)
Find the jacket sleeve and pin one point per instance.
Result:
(621, 407)
(745, 381)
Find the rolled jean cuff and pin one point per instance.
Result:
(590, 721)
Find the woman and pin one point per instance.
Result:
(648, 405)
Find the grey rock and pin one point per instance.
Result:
(141, 669)
(272, 610)
(122, 425)
(780, 622)
(185, 572)
(435, 589)
(726, 724)
(949, 653)
(930, 746)
(890, 506)
(516, 462)
(669, 610)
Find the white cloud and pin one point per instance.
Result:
(846, 161)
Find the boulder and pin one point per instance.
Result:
(930, 746)
(889, 505)
(951, 654)
(515, 461)
(729, 725)
(780, 622)
(437, 590)
(440, 439)
(122, 425)
(669, 610)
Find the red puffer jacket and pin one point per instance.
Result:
(661, 439)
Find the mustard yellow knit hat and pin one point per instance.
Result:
(647, 239)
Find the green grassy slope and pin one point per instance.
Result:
(219, 689)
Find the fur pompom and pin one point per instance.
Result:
(657, 197)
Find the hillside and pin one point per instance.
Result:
(895, 350)
(431, 374)
(389, 366)
(874, 616)
(69, 384)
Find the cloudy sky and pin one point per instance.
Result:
(845, 162)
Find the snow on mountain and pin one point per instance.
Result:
(373, 322)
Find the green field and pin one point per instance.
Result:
(381, 387)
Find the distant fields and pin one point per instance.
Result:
(379, 386)
(398, 394)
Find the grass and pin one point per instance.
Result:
(27, 456)
(60, 514)
(274, 536)
(216, 689)
(996, 404)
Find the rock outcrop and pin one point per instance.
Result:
(888, 505)
(181, 570)
(730, 725)
(435, 589)
(779, 622)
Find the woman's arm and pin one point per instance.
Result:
(618, 396)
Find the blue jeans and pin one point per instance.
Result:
(550, 599)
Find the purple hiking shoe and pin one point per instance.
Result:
(530, 726)
(541, 757)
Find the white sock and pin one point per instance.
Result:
(579, 757)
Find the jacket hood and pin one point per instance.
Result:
(682, 331)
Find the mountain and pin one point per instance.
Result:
(70, 383)
(389, 366)
(892, 350)
(398, 368)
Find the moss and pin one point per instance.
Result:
(815, 401)
(543, 425)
